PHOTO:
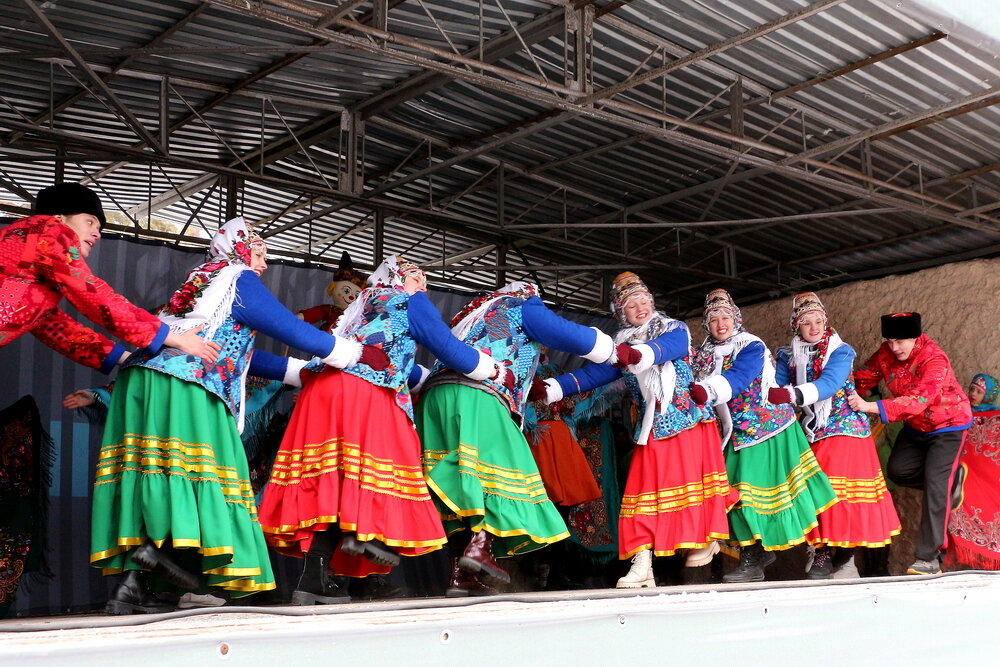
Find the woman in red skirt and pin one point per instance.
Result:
(813, 373)
(677, 492)
(348, 468)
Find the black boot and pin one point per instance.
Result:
(148, 557)
(753, 560)
(132, 597)
(822, 564)
(316, 585)
(375, 551)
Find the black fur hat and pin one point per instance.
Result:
(68, 199)
(901, 325)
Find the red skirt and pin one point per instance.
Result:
(676, 495)
(563, 465)
(350, 457)
(863, 515)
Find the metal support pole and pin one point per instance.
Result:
(60, 171)
(165, 114)
(501, 196)
(379, 248)
(380, 15)
(232, 185)
(736, 111)
(501, 264)
(351, 175)
(578, 66)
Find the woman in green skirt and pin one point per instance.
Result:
(768, 460)
(475, 458)
(172, 492)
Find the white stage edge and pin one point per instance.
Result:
(916, 620)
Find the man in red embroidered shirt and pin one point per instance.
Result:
(937, 414)
(42, 261)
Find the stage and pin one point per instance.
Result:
(922, 620)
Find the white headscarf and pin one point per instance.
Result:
(390, 276)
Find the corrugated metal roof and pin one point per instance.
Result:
(851, 105)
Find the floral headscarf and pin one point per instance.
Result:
(207, 293)
(991, 392)
(467, 316)
(390, 275)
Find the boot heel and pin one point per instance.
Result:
(116, 608)
(307, 599)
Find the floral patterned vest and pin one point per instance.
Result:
(680, 414)
(754, 419)
(500, 334)
(386, 324)
(225, 378)
(843, 420)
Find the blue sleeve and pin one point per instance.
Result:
(414, 379)
(157, 342)
(114, 355)
(746, 367)
(544, 326)
(268, 366)
(429, 331)
(588, 377)
(671, 345)
(257, 308)
(781, 369)
(835, 373)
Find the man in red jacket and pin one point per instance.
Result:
(42, 261)
(936, 412)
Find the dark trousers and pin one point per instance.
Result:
(928, 462)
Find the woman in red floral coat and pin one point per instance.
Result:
(936, 412)
(42, 261)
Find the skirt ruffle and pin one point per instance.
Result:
(676, 495)
(172, 469)
(864, 515)
(480, 468)
(350, 458)
(782, 490)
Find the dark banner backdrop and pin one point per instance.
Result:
(146, 273)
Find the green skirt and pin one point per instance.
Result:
(782, 490)
(481, 470)
(173, 470)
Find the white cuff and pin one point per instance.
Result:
(424, 374)
(345, 354)
(603, 348)
(648, 358)
(485, 369)
(292, 369)
(720, 387)
(810, 393)
(553, 391)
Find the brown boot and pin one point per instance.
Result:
(478, 558)
(463, 584)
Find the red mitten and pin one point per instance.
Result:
(698, 393)
(777, 395)
(509, 379)
(374, 357)
(627, 355)
(539, 390)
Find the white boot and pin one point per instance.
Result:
(703, 556)
(641, 573)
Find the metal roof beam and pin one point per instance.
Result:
(126, 114)
(243, 83)
(80, 94)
